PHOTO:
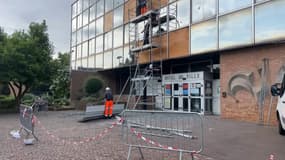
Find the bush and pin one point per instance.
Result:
(7, 102)
(4, 89)
(92, 86)
(61, 102)
(28, 99)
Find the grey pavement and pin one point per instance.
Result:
(224, 140)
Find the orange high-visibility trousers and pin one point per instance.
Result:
(108, 108)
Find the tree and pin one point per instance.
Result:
(61, 81)
(25, 58)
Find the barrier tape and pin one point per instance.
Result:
(271, 157)
(85, 140)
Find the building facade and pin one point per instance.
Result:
(239, 43)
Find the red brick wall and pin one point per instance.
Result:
(245, 107)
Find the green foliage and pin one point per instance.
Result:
(92, 86)
(25, 58)
(4, 89)
(61, 82)
(7, 102)
(28, 99)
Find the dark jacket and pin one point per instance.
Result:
(108, 96)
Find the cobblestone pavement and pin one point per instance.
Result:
(64, 126)
(224, 140)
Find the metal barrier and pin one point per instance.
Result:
(27, 120)
(180, 132)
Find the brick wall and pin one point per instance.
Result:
(244, 106)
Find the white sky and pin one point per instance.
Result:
(18, 14)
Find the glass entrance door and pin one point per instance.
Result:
(176, 100)
(196, 97)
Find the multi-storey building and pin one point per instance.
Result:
(216, 56)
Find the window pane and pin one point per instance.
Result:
(74, 10)
(78, 63)
(118, 57)
(79, 36)
(203, 9)
(235, 29)
(100, 8)
(183, 13)
(257, 1)
(268, 21)
(92, 2)
(92, 46)
(127, 56)
(92, 13)
(99, 26)
(85, 33)
(79, 6)
(84, 62)
(74, 22)
(92, 30)
(73, 38)
(79, 21)
(85, 49)
(204, 37)
(85, 17)
(73, 65)
(118, 37)
(126, 34)
(73, 53)
(85, 4)
(118, 16)
(99, 44)
(108, 5)
(78, 52)
(108, 60)
(231, 5)
(108, 41)
(118, 2)
(99, 61)
(91, 62)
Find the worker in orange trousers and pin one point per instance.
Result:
(108, 103)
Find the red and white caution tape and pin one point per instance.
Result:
(84, 140)
(271, 157)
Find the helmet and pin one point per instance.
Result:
(107, 88)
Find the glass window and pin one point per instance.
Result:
(118, 58)
(108, 5)
(118, 37)
(79, 6)
(85, 33)
(73, 65)
(85, 49)
(92, 2)
(204, 37)
(85, 17)
(92, 13)
(235, 29)
(78, 63)
(118, 16)
(268, 21)
(73, 53)
(92, 46)
(99, 61)
(74, 24)
(128, 58)
(99, 44)
(118, 2)
(78, 51)
(108, 41)
(231, 5)
(126, 34)
(258, 1)
(85, 4)
(183, 13)
(84, 62)
(74, 10)
(79, 36)
(79, 21)
(203, 9)
(73, 38)
(92, 32)
(100, 8)
(91, 62)
(99, 26)
(108, 59)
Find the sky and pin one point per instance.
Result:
(18, 14)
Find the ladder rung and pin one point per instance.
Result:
(141, 78)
